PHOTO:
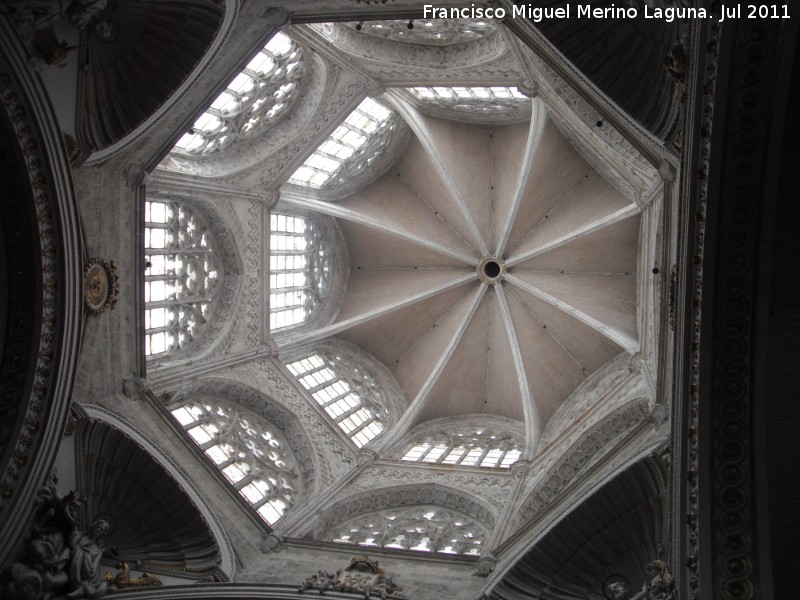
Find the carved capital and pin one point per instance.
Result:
(136, 388)
(366, 458)
(529, 87)
(667, 172)
(272, 543)
(485, 565)
(270, 198)
(277, 16)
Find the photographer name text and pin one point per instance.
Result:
(588, 11)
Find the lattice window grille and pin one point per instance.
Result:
(421, 528)
(256, 98)
(475, 100)
(182, 277)
(472, 448)
(351, 148)
(347, 393)
(248, 450)
(300, 270)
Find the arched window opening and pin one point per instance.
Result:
(251, 453)
(256, 98)
(480, 101)
(300, 270)
(183, 271)
(348, 393)
(421, 528)
(467, 447)
(352, 147)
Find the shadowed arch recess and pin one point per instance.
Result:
(152, 519)
(148, 49)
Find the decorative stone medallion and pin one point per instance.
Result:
(100, 285)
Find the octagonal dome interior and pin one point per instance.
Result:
(492, 270)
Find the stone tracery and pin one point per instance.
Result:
(182, 278)
(252, 453)
(424, 528)
(257, 98)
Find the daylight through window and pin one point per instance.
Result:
(351, 147)
(350, 395)
(256, 98)
(300, 270)
(420, 528)
(183, 272)
(472, 448)
(249, 451)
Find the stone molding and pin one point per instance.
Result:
(44, 410)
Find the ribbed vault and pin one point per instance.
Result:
(609, 537)
(492, 269)
(151, 518)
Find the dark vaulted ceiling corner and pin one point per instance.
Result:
(133, 63)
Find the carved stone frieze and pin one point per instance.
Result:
(726, 372)
(427, 32)
(385, 51)
(44, 303)
(584, 451)
(404, 496)
(362, 576)
(493, 488)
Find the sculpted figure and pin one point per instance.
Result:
(84, 567)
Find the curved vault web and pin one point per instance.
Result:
(492, 270)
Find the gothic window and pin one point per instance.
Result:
(422, 528)
(353, 146)
(182, 276)
(478, 101)
(300, 270)
(248, 450)
(256, 98)
(347, 392)
(432, 32)
(467, 447)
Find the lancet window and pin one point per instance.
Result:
(348, 393)
(422, 528)
(352, 147)
(256, 98)
(183, 271)
(467, 447)
(248, 450)
(300, 269)
(483, 101)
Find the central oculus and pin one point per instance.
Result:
(491, 269)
